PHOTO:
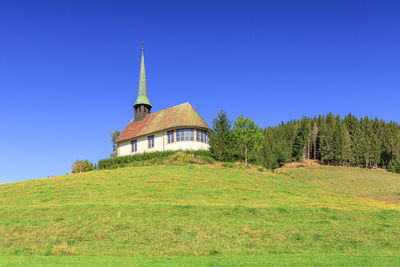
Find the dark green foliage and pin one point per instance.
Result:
(398, 167)
(302, 136)
(329, 139)
(228, 164)
(266, 155)
(390, 167)
(221, 139)
(334, 141)
(341, 143)
(279, 155)
(207, 159)
(151, 158)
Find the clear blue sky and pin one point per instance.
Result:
(69, 69)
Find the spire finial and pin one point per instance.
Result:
(142, 92)
(142, 44)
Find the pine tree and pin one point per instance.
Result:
(327, 149)
(347, 155)
(367, 146)
(300, 140)
(266, 154)
(386, 144)
(314, 135)
(221, 140)
(338, 142)
(332, 140)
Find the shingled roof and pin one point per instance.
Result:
(182, 115)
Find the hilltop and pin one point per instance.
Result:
(226, 215)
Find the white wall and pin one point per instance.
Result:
(160, 144)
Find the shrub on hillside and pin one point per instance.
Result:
(167, 157)
(228, 164)
(207, 159)
(82, 166)
(133, 160)
(390, 167)
(398, 168)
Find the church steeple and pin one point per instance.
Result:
(142, 104)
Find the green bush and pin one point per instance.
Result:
(228, 165)
(82, 166)
(207, 159)
(152, 158)
(260, 169)
(398, 168)
(200, 153)
(390, 167)
(124, 161)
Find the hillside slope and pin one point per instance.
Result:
(374, 184)
(191, 210)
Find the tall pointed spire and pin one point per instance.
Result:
(142, 92)
(142, 104)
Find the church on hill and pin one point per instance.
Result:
(175, 128)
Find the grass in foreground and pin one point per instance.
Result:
(270, 260)
(174, 211)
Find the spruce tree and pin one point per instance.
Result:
(347, 155)
(327, 149)
(338, 142)
(332, 140)
(266, 154)
(300, 140)
(221, 139)
(314, 136)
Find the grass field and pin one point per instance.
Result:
(374, 184)
(202, 216)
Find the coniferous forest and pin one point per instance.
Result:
(330, 139)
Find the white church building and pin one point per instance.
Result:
(175, 128)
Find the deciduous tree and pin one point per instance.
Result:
(247, 135)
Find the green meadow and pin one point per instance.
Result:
(203, 215)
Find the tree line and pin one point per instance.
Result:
(330, 139)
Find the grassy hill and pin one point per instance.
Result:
(174, 214)
(374, 184)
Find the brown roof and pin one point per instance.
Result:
(182, 115)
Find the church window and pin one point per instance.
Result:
(201, 136)
(151, 141)
(191, 134)
(134, 145)
(170, 136)
(187, 134)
